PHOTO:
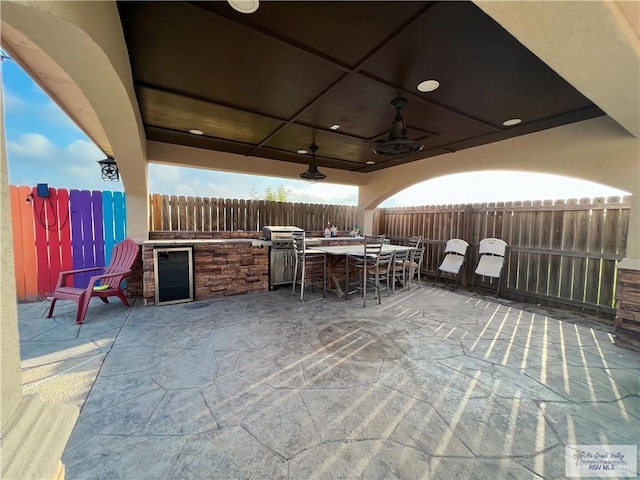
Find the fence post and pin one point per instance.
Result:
(467, 236)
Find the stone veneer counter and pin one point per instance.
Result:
(221, 267)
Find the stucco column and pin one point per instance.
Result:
(25, 423)
(632, 257)
(10, 379)
(365, 209)
(137, 216)
(627, 320)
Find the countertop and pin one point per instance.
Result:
(253, 241)
(206, 241)
(330, 239)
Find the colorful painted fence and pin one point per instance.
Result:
(67, 230)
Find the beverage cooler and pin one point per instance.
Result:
(173, 269)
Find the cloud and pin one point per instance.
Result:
(53, 114)
(12, 102)
(164, 173)
(325, 193)
(84, 149)
(31, 145)
(33, 158)
(39, 107)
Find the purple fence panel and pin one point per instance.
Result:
(87, 235)
(98, 235)
(75, 215)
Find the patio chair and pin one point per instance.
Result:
(455, 254)
(107, 284)
(364, 262)
(413, 266)
(304, 257)
(381, 273)
(415, 241)
(492, 253)
(398, 271)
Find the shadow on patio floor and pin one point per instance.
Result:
(431, 384)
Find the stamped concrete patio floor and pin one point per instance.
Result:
(431, 384)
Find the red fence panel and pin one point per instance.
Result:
(40, 210)
(65, 230)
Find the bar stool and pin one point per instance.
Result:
(304, 257)
(367, 261)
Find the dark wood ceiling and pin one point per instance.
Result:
(272, 82)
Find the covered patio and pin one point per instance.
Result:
(430, 384)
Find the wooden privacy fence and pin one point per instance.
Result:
(559, 252)
(64, 231)
(223, 214)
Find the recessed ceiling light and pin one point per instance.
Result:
(371, 162)
(244, 6)
(302, 151)
(428, 85)
(335, 126)
(511, 122)
(195, 131)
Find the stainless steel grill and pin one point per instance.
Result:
(280, 236)
(282, 258)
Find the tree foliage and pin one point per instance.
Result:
(279, 194)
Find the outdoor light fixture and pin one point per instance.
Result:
(109, 169)
(312, 174)
(398, 145)
(244, 6)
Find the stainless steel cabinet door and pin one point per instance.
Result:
(282, 263)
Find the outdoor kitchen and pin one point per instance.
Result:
(225, 263)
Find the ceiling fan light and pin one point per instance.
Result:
(398, 148)
(398, 145)
(313, 174)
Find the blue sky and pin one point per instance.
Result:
(45, 146)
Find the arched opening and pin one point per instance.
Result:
(43, 40)
(498, 186)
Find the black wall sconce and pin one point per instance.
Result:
(109, 169)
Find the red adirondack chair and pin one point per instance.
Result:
(101, 286)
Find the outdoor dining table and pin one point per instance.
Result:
(335, 255)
